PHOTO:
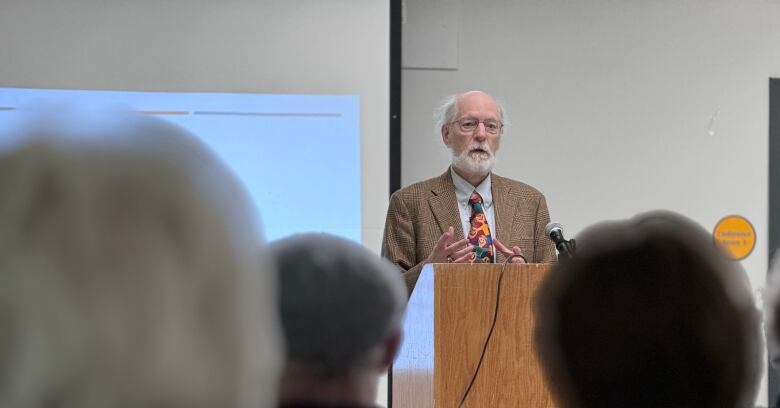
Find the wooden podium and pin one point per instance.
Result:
(447, 319)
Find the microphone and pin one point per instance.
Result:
(565, 248)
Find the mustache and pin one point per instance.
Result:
(481, 146)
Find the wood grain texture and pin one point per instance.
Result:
(459, 301)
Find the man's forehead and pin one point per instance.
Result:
(477, 101)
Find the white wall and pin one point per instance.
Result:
(269, 46)
(618, 107)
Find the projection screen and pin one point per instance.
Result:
(313, 76)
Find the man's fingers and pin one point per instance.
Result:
(440, 251)
(463, 251)
(468, 257)
(509, 252)
(501, 247)
(458, 245)
(445, 238)
(517, 251)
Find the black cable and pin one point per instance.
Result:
(490, 332)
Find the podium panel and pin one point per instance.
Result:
(447, 319)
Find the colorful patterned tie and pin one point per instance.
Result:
(479, 233)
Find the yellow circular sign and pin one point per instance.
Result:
(736, 236)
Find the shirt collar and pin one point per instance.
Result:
(463, 189)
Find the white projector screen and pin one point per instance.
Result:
(245, 131)
(260, 56)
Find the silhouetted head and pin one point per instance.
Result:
(648, 313)
(341, 309)
(130, 275)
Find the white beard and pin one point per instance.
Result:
(474, 163)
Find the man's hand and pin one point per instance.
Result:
(456, 252)
(509, 252)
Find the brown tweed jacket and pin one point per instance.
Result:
(420, 213)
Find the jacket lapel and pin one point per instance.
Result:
(444, 205)
(504, 210)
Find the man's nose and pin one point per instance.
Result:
(479, 133)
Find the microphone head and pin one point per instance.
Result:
(552, 227)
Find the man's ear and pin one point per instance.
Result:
(391, 347)
(445, 135)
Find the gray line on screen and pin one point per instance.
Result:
(282, 114)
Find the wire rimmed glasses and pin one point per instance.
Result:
(467, 125)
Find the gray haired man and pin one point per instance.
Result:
(468, 214)
(341, 309)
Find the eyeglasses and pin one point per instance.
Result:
(466, 125)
